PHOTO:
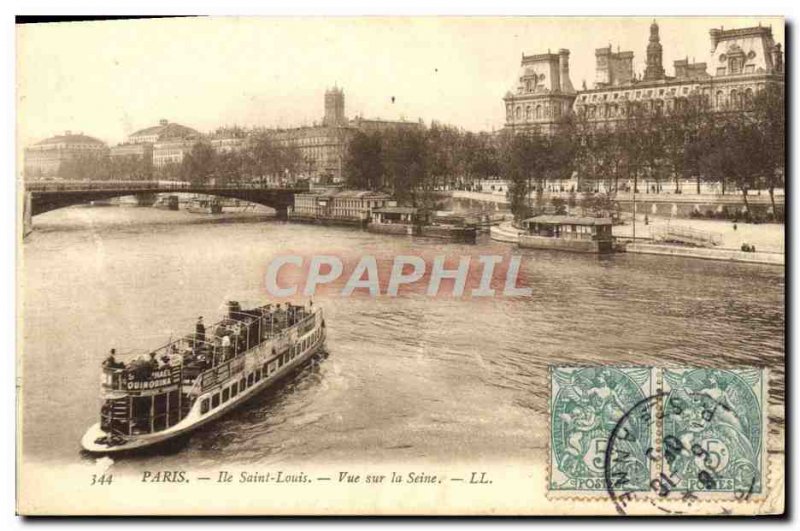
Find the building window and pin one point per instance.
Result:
(528, 112)
(226, 394)
(215, 400)
(204, 406)
(538, 112)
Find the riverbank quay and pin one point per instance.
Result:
(507, 233)
(728, 255)
(765, 237)
(493, 197)
(664, 204)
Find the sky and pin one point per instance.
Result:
(108, 79)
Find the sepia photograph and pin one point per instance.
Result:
(429, 265)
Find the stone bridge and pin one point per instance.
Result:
(44, 196)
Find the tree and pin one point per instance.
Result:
(769, 113)
(90, 167)
(364, 165)
(406, 163)
(522, 161)
(560, 205)
(482, 156)
(197, 166)
(445, 155)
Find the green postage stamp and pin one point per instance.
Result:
(714, 427)
(586, 406)
(662, 434)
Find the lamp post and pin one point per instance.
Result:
(634, 208)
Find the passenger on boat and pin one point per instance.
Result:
(227, 351)
(111, 361)
(200, 330)
(143, 366)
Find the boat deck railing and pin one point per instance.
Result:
(184, 360)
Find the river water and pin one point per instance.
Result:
(411, 377)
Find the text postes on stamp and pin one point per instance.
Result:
(660, 436)
(713, 432)
(586, 405)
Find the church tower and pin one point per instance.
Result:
(334, 107)
(654, 69)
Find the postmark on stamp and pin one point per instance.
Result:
(713, 431)
(666, 437)
(586, 405)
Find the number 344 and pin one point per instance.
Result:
(102, 479)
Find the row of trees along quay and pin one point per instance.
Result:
(740, 147)
(259, 156)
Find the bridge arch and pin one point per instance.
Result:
(45, 197)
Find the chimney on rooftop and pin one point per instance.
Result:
(715, 36)
(563, 62)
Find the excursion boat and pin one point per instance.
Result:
(199, 378)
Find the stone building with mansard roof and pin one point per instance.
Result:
(543, 95)
(44, 158)
(162, 144)
(741, 62)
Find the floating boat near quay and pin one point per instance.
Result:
(337, 207)
(414, 222)
(167, 202)
(204, 205)
(567, 233)
(199, 378)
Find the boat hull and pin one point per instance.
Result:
(563, 244)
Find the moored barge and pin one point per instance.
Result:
(416, 222)
(568, 233)
(199, 378)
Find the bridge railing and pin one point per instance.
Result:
(150, 186)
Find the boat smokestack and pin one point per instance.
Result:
(234, 310)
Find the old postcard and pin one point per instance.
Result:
(401, 266)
